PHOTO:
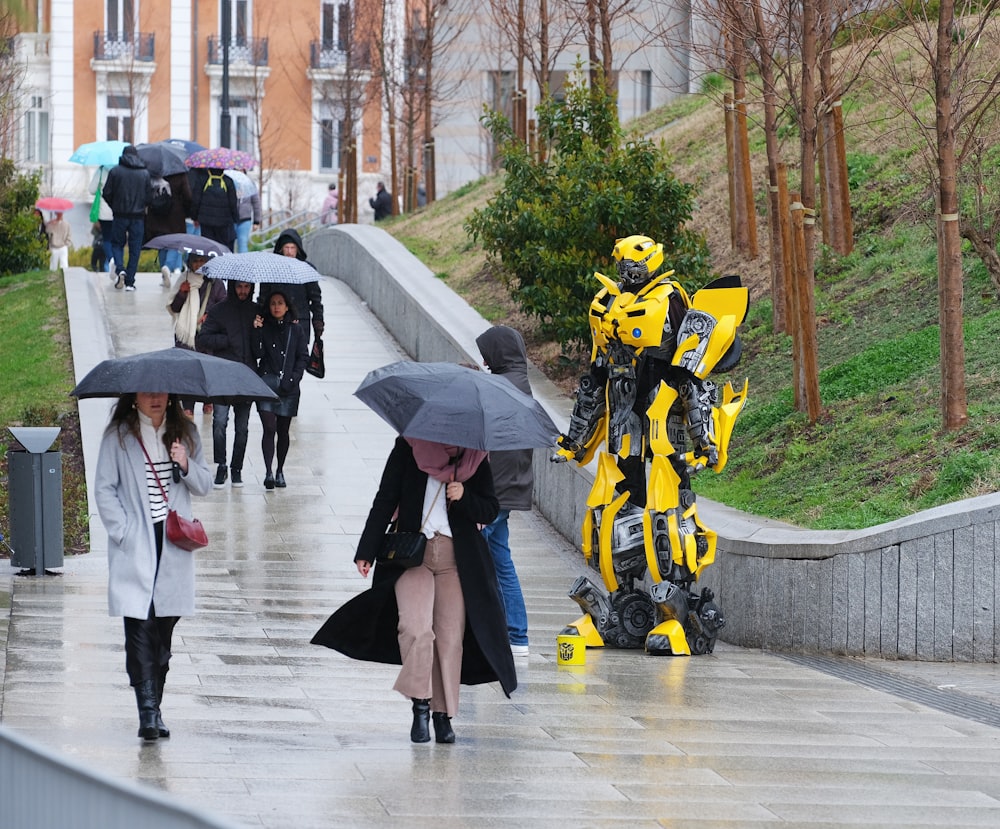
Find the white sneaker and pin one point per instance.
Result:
(165, 271)
(120, 280)
(519, 650)
(130, 287)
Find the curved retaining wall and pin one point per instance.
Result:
(923, 587)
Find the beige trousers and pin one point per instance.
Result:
(431, 628)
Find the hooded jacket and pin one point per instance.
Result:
(128, 187)
(226, 332)
(504, 353)
(307, 299)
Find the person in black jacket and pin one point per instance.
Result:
(442, 620)
(214, 205)
(279, 345)
(127, 190)
(381, 203)
(307, 299)
(227, 332)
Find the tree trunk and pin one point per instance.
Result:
(776, 207)
(807, 126)
(954, 409)
(806, 322)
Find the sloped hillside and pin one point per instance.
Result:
(877, 452)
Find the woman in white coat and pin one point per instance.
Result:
(149, 443)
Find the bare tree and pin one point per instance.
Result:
(944, 72)
(12, 75)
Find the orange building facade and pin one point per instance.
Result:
(294, 74)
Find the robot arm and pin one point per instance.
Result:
(584, 425)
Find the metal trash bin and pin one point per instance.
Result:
(35, 499)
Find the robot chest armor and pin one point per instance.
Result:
(637, 321)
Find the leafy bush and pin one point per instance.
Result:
(556, 219)
(21, 247)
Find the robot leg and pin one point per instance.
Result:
(622, 619)
(691, 622)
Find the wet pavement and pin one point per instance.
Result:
(270, 731)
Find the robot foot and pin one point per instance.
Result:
(622, 620)
(692, 622)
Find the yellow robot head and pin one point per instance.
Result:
(637, 258)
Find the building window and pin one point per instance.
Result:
(502, 92)
(120, 126)
(36, 132)
(331, 139)
(121, 17)
(335, 25)
(645, 91)
(240, 118)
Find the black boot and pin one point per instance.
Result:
(443, 732)
(160, 682)
(420, 731)
(145, 697)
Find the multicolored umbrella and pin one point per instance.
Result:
(99, 153)
(54, 203)
(221, 158)
(261, 266)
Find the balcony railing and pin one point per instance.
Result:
(130, 45)
(252, 51)
(325, 54)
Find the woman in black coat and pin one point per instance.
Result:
(443, 620)
(279, 346)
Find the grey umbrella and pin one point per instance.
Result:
(179, 371)
(261, 266)
(187, 243)
(455, 405)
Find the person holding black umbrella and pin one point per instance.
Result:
(442, 620)
(150, 461)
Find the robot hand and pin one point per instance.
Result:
(561, 456)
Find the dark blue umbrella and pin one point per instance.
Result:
(187, 147)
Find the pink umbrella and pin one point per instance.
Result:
(221, 158)
(55, 204)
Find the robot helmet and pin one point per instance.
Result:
(637, 259)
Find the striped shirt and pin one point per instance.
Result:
(152, 439)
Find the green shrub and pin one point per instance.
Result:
(21, 246)
(557, 219)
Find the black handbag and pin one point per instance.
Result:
(405, 549)
(402, 549)
(317, 364)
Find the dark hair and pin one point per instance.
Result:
(125, 418)
(333, 186)
(289, 314)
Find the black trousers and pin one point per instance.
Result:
(147, 641)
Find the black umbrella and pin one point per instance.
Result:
(162, 159)
(187, 243)
(455, 405)
(179, 371)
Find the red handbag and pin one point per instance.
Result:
(187, 533)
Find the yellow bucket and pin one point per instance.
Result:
(571, 649)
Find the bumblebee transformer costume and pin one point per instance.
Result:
(646, 398)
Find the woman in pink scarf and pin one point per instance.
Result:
(443, 621)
